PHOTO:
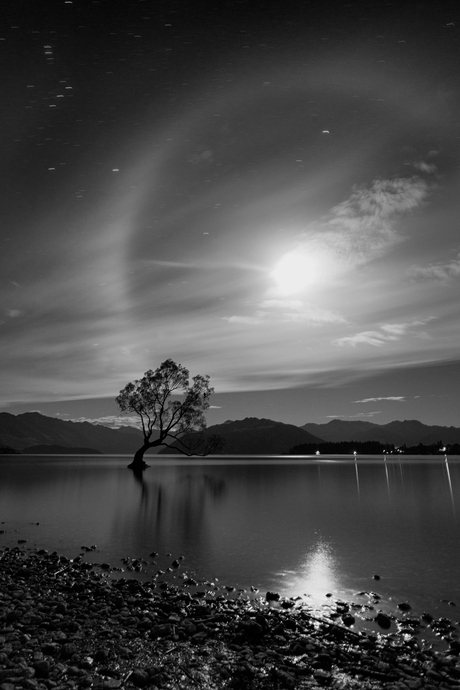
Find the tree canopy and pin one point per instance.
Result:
(174, 422)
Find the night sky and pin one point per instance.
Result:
(266, 192)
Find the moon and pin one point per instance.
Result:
(294, 272)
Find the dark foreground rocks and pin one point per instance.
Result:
(63, 625)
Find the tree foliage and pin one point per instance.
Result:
(175, 423)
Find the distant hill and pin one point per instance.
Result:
(60, 450)
(253, 436)
(34, 429)
(410, 432)
(250, 436)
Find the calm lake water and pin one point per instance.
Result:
(296, 526)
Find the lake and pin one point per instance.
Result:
(299, 526)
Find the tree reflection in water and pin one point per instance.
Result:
(168, 511)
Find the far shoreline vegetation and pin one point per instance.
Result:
(373, 448)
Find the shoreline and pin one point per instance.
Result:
(64, 624)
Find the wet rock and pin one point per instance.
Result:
(189, 628)
(68, 650)
(139, 678)
(251, 629)
(404, 606)
(383, 620)
(323, 661)
(297, 649)
(348, 619)
(189, 581)
(261, 620)
(272, 596)
(162, 630)
(51, 648)
(101, 654)
(322, 677)
(42, 668)
(289, 624)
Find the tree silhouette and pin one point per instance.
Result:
(178, 423)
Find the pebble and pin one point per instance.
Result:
(63, 627)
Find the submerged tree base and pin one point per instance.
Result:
(138, 465)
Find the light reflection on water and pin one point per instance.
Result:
(286, 524)
(316, 575)
(451, 491)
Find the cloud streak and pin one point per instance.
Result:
(287, 311)
(388, 332)
(112, 421)
(359, 415)
(439, 271)
(395, 398)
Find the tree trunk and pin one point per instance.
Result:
(138, 461)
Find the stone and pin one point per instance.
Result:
(251, 629)
(42, 668)
(68, 649)
(272, 596)
(383, 620)
(323, 661)
(139, 678)
(404, 606)
(348, 619)
(161, 630)
(101, 654)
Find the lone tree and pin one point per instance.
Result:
(179, 424)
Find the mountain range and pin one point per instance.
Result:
(250, 436)
(30, 429)
(253, 436)
(409, 432)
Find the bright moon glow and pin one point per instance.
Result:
(294, 272)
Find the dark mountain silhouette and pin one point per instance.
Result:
(244, 437)
(410, 432)
(34, 429)
(253, 436)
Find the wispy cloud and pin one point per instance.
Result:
(13, 313)
(387, 333)
(440, 271)
(112, 421)
(398, 398)
(363, 227)
(287, 311)
(428, 168)
(359, 415)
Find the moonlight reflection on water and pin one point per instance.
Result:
(316, 575)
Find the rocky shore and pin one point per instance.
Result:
(66, 624)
